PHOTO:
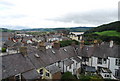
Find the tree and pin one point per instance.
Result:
(68, 42)
(67, 75)
(3, 50)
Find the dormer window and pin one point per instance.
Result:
(36, 55)
(65, 50)
(53, 51)
(18, 77)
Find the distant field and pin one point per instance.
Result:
(109, 33)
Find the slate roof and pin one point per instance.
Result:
(70, 51)
(102, 51)
(31, 75)
(54, 56)
(9, 43)
(17, 63)
(68, 62)
(6, 34)
(114, 51)
(14, 64)
(64, 53)
(36, 61)
(77, 59)
(105, 51)
(17, 44)
(53, 69)
(87, 51)
(49, 56)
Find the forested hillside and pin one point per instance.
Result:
(105, 27)
(105, 32)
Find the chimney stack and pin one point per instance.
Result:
(23, 51)
(82, 44)
(111, 43)
(95, 43)
(41, 46)
(56, 45)
(73, 44)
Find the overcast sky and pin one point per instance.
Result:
(20, 14)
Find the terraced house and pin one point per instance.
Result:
(33, 62)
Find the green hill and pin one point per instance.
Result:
(71, 29)
(104, 32)
(106, 27)
(6, 30)
(109, 33)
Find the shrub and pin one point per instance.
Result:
(68, 42)
(3, 50)
(67, 75)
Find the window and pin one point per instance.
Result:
(116, 72)
(59, 64)
(117, 62)
(107, 75)
(47, 74)
(70, 67)
(85, 59)
(104, 60)
(41, 71)
(99, 61)
(76, 64)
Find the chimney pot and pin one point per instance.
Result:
(56, 45)
(23, 50)
(41, 46)
(111, 43)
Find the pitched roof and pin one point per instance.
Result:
(77, 59)
(101, 51)
(53, 69)
(105, 51)
(68, 62)
(14, 64)
(114, 51)
(6, 34)
(9, 43)
(36, 61)
(70, 51)
(31, 75)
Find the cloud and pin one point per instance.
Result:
(13, 16)
(95, 17)
(6, 3)
(119, 10)
(56, 13)
(14, 27)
